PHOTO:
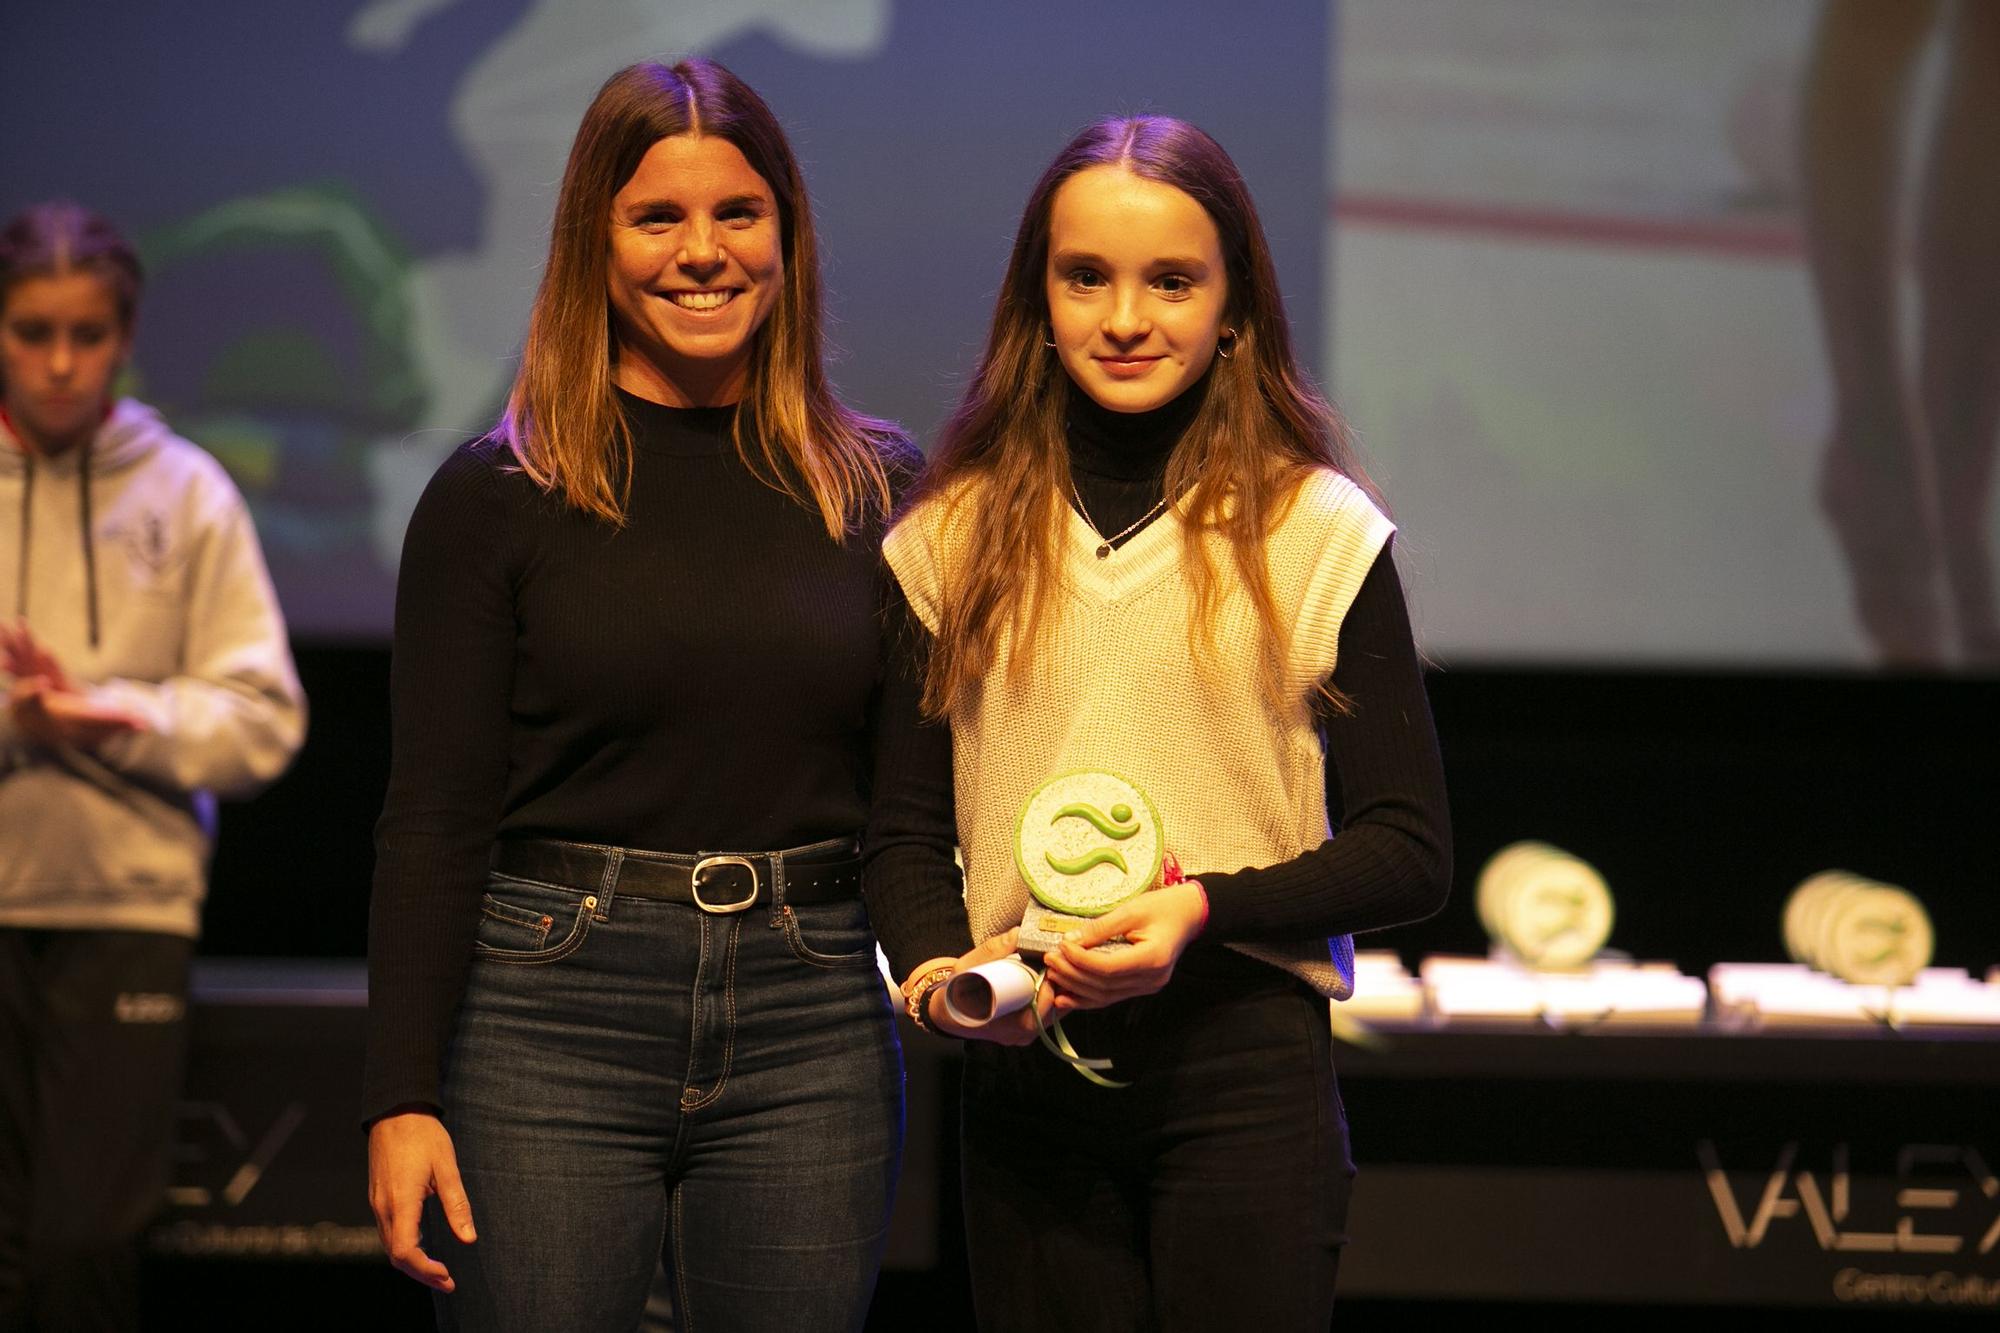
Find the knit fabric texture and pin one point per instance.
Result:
(1115, 685)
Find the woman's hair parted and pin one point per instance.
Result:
(1261, 428)
(562, 419)
(62, 237)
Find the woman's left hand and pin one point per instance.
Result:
(1160, 924)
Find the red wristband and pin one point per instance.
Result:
(1172, 874)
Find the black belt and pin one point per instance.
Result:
(722, 883)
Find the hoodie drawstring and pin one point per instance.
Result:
(89, 543)
(27, 516)
(27, 546)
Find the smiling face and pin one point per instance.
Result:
(1136, 287)
(697, 262)
(61, 345)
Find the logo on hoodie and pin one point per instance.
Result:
(145, 542)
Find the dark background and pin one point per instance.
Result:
(1703, 798)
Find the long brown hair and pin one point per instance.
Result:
(1261, 428)
(562, 418)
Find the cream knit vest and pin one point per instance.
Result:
(1117, 688)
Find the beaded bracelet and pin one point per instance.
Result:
(918, 1004)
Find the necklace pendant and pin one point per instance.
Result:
(1104, 550)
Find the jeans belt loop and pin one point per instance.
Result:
(780, 882)
(607, 885)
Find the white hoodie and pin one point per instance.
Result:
(134, 561)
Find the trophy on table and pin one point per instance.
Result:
(1860, 930)
(1547, 909)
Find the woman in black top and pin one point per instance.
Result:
(624, 1001)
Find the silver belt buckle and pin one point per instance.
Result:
(723, 909)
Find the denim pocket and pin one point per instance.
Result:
(830, 934)
(524, 922)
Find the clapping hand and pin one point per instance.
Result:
(46, 707)
(23, 657)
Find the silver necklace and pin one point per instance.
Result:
(1104, 543)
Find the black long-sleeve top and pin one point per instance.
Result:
(1389, 861)
(706, 678)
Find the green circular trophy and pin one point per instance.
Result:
(1547, 908)
(1859, 930)
(1085, 842)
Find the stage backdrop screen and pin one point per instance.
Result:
(1651, 319)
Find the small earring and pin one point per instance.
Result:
(1226, 352)
(1048, 342)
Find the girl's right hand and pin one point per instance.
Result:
(410, 1158)
(1015, 1029)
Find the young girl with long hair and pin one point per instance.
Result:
(623, 995)
(1144, 544)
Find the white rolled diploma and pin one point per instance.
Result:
(978, 995)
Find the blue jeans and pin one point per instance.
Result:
(637, 1078)
(1210, 1194)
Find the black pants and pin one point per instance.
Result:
(1212, 1193)
(93, 1037)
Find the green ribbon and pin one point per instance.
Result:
(1058, 1043)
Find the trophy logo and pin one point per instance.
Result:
(1084, 843)
(1113, 825)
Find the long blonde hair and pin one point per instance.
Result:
(562, 418)
(1260, 430)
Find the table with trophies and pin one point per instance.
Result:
(1557, 1121)
(1551, 1121)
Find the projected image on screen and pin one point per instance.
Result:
(345, 207)
(1672, 329)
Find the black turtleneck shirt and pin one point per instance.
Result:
(1389, 861)
(706, 678)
